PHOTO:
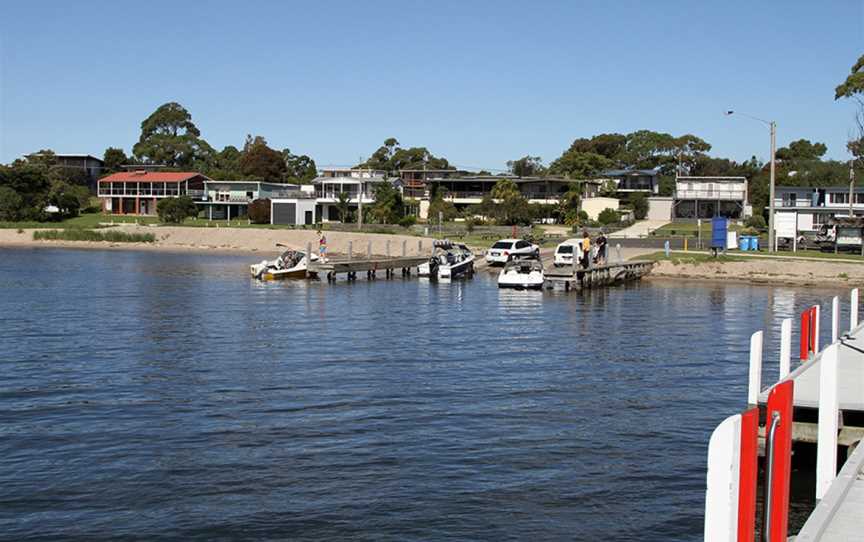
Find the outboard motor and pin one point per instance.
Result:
(433, 267)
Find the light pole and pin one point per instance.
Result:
(773, 126)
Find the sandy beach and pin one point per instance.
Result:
(233, 240)
(766, 271)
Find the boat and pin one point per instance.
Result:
(291, 264)
(522, 275)
(449, 260)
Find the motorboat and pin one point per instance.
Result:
(291, 264)
(449, 260)
(522, 275)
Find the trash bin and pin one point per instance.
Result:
(754, 242)
(744, 243)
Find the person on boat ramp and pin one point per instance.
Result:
(586, 249)
(322, 246)
(602, 244)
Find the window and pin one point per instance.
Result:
(789, 199)
(503, 245)
(521, 244)
(839, 197)
(820, 218)
(859, 197)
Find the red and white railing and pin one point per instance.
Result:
(730, 498)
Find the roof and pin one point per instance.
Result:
(73, 155)
(858, 189)
(716, 179)
(623, 172)
(152, 176)
(348, 180)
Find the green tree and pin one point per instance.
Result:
(259, 211)
(169, 137)
(580, 165)
(569, 205)
(389, 206)
(801, 151)
(391, 157)
(176, 210)
(610, 146)
(343, 206)
(299, 169)
(114, 159)
(11, 204)
(853, 87)
(640, 205)
(505, 188)
(260, 162)
(527, 166)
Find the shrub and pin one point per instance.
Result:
(756, 221)
(10, 204)
(113, 236)
(407, 221)
(259, 211)
(608, 216)
(176, 210)
(469, 224)
(640, 205)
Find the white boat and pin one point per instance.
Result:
(522, 275)
(448, 261)
(291, 264)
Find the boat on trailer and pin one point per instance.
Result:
(291, 264)
(449, 260)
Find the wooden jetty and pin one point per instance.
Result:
(578, 278)
(350, 265)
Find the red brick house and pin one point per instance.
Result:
(137, 192)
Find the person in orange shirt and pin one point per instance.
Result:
(586, 249)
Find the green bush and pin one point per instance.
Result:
(259, 211)
(10, 204)
(407, 221)
(756, 222)
(75, 234)
(608, 216)
(640, 205)
(176, 210)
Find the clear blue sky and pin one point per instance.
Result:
(476, 82)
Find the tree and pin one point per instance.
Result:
(853, 87)
(527, 166)
(260, 162)
(176, 210)
(640, 205)
(169, 137)
(11, 204)
(568, 208)
(343, 205)
(391, 157)
(114, 159)
(801, 150)
(610, 146)
(299, 169)
(504, 189)
(580, 165)
(389, 207)
(446, 208)
(259, 211)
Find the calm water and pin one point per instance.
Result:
(167, 396)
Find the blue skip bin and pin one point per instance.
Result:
(744, 243)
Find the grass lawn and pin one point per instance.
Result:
(691, 257)
(689, 229)
(735, 256)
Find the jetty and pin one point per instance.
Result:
(351, 264)
(820, 402)
(597, 276)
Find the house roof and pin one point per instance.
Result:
(623, 172)
(152, 176)
(72, 155)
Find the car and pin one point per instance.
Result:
(510, 249)
(564, 252)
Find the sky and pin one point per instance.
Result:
(478, 82)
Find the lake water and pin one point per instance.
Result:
(168, 396)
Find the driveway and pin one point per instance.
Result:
(638, 230)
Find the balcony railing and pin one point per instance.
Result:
(711, 194)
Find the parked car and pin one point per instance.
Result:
(564, 252)
(510, 249)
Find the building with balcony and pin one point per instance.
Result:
(707, 197)
(79, 165)
(225, 200)
(628, 181)
(138, 192)
(357, 186)
(415, 182)
(814, 206)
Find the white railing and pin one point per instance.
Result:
(711, 194)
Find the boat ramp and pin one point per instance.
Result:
(597, 276)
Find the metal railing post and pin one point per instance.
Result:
(769, 475)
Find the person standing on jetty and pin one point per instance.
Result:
(322, 245)
(602, 243)
(586, 249)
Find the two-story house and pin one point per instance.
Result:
(357, 186)
(138, 192)
(814, 206)
(707, 197)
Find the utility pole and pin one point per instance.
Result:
(771, 247)
(851, 187)
(360, 206)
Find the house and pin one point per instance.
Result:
(416, 181)
(357, 185)
(138, 192)
(224, 200)
(633, 180)
(813, 206)
(707, 197)
(87, 165)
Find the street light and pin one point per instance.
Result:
(773, 126)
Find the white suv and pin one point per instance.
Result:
(508, 249)
(564, 253)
